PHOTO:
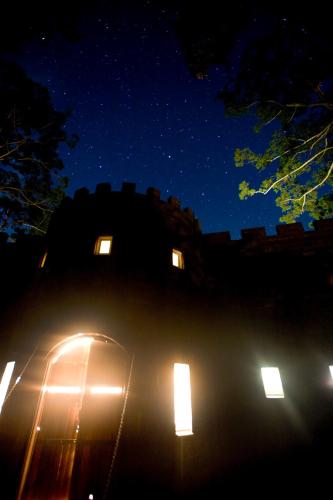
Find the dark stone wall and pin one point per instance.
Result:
(237, 306)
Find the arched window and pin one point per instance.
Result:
(77, 419)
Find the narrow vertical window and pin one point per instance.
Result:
(182, 399)
(42, 261)
(103, 245)
(177, 259)
(331, 370)
(272, 382)
(4, 384)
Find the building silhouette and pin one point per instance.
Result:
(96, 314)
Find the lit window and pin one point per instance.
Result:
(4, 384)
(272, 382)
(182, 399)
(103, 245)
(177, 259)
(331, 370)
(42, 261)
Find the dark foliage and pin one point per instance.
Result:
(30, 133)
(31, 129)
(277, 65)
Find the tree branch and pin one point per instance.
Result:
(327, 105)
(272, 119)
(11, 151)
(30, 225)
(318, 138)
(27, 201)
(314, 188)
(303, 165)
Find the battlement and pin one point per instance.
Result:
(288, 238)
(146, 231)
(128, 191)
(284, 232)
(294, 230)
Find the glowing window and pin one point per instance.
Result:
(182, 399)
(103, 245)
(82, 395)
(331, 370)
(272, 382)
(42, 261)
(177, 259)
(4, 384)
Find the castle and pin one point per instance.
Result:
(124, 295)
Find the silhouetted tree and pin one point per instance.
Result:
(277, 65)
(31, 131)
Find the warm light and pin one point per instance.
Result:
(272, 382)
(7, 375)
(106, 390)
(91, 497)
(37, 428)
(182, 399)
(62, 389)
(43, 261)
(177, 259)
(75, 389)
(73, 344)
(331, 370)
(103, 245)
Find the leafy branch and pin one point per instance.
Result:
(302, 154)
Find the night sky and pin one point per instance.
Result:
(142, 117)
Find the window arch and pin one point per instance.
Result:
(77, 419)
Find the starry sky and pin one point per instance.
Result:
(142, 117)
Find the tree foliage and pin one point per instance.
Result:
(31, 129)
(277, 66)
(30, 133)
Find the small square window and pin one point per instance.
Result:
(103, 245)
(177, 259)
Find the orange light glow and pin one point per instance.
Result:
(62, 389)
(75, 389)
(106, 390)
(73, 344)
(81, 397)
(103, 245)
(43, 261)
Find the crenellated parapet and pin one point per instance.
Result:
(289, 238)
(126, 233)
(104, 194)
(145, 233)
